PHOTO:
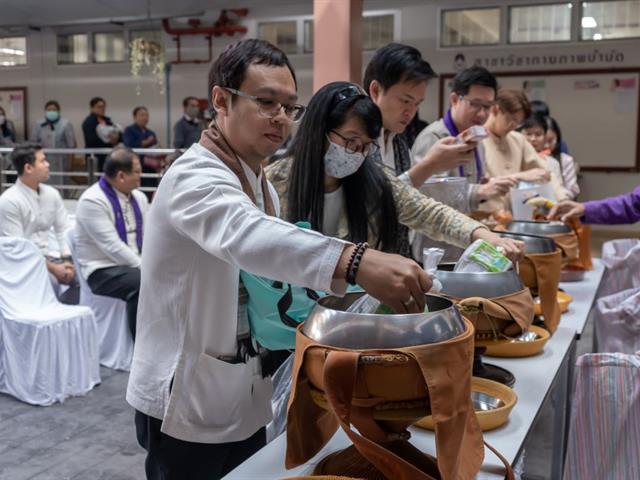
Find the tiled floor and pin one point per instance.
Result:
(89, 437)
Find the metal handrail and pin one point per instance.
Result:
(90, 173)
(100, 151)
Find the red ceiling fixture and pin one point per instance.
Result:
(226, 24)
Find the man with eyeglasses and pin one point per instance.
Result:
(473, 93)
(200, 387)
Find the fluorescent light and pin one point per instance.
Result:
(589, 22)
(569, 5)
(11, 51)
(597, 36)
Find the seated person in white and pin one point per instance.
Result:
(30, 208)
(108, 232)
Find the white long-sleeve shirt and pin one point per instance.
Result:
(97, 242)
(200, 231)
(27, 213)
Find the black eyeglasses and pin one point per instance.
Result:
(477, 104)
(269, 107)
(355, 145)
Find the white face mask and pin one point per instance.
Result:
(338, 163)
(2, 119)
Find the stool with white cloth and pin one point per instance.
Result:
(48, 350)
(114, 336)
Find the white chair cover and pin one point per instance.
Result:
(48, 351)
(617, 322)
(604, 439)
(114, 337)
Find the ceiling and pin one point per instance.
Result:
(39, 13)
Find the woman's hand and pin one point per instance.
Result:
(512, 249)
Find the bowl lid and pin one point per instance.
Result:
(479, 284)
(533, 243)
(537, 227)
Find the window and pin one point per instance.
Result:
(308, 36)
(282, 34)
(478, 26)
(377, 31)
(609, 20)
(109, 47)
(540, 23)
(73, 49)
(13, 51)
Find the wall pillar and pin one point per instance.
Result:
(337, 41)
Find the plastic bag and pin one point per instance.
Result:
(481, 256)
(622, 261)
(430, 259)
(617, 322)
(280, 399)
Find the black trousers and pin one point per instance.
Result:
(119, 282)
(171, 459)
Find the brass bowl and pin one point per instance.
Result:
(492, 402)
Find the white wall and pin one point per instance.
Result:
(74, 85)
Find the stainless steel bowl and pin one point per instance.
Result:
(567, 275)
(533, 243)
(484, 284)
(537, 228)
(330, 324)
(484, 402)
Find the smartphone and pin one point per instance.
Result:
(475, 133)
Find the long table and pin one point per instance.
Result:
(537, 378)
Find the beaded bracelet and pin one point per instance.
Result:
(354, 262)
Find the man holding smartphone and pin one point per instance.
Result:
(473, 92)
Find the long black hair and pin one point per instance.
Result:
(557, 150)
(368, 194)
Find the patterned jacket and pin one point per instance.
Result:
(416, 211)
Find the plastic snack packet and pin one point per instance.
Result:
(365, 304)
(481, 256)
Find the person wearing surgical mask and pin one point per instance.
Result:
(53, 131)
(330, 179)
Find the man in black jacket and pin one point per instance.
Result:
(99, 131)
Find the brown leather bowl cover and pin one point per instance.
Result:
(541, 273)
(509, 315)
(389, 376)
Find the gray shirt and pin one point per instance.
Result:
(60, 136)
(428, 137)
(186, 132)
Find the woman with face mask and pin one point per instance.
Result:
(329, 179)
(53, 131)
